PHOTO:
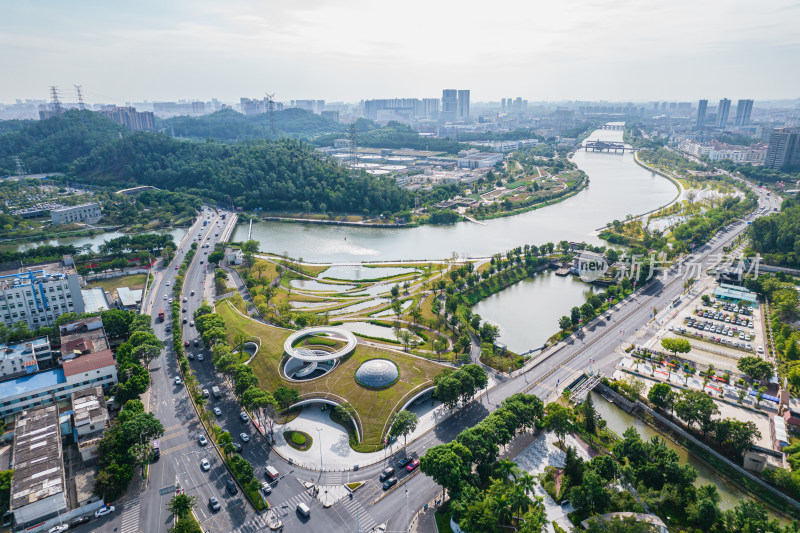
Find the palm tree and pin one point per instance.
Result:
(518, 499)
(507, 469)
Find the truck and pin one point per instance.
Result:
(215, 391)
(161, 315)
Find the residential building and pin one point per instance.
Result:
(82, 337)
(24, 357)
(743, 110)
(702, 109)
(38, 294)
(430, 108)
(449, 112)
(38, 487)
(130, 118)
(331, 115)
(723, 109)
(463, 105)
(783, 149)
(315, 106)
(89, 421)
(43, 388)
(89, 213)
(129, 299)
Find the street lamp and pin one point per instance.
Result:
(319, 441)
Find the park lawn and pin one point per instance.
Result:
(134, 281)
(373, 406)
(427, 314)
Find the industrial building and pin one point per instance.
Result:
(39, 294)
(38, 488)
(473, 159)
(24, 357)
(42, 388)
(89, 213)
(89, 421)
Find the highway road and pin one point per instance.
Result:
(181, 453)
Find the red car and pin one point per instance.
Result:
(412, 465)
(186, 343)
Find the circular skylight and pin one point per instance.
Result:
(377, 373)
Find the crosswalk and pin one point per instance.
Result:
(260, 521)
(130, 517)
(357, 511)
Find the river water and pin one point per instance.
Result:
(617, 187)
(94, 240)
(618, 421)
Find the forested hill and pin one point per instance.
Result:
(274, 175)
(230, 125)
(777, 237)
(51, 145)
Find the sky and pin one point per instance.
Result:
(348, 50)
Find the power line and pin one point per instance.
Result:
(81, 104)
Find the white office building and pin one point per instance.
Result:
(89, 213)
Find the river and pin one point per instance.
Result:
(618, 421)
(94, 240)
(617, 187)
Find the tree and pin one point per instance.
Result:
(575, 315)
(286, 396)
(564, 323)
(558, 420)
(573, 466)
(756, 368)
(181, 505)
(588, 414)
(662, 396)
(736, 436)
(627, 524)
(449, 465)
(696, 407)
(676, 345)
(186, 525)
(404, 423)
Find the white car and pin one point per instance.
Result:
(165, 296)
(218, 411)
(167, 283)
(178, 380)
(244, 437)
(244, 416)
(199, 357)
(266, 488)
(204, 464)
(202, 440)
(170, 300)
(108, 509)
(58, 529)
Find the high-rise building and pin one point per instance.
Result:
(128, 116)
(743, 110)
(430, 107)
(449, 110)
(723, 109)
(331, 115)
(783, 149)
(702, 108)
(463, 104)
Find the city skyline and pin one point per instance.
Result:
(584, 51)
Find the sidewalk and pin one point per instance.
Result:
(334, 452)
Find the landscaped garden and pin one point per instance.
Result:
(373, 406)
(299, 440)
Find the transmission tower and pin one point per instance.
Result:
(271, 111)
(56, 102)
(81, 105)
(21, 170)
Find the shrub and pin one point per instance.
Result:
(298, 439)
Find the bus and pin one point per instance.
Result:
(156, 449)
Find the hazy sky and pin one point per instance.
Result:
(353, 49)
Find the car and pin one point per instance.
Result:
(386, 474)
(168, 328)
(244, 416)
(205, 391)
(167, 283)
(201, 261)
(185, 299)
(58, 529)
(79, 521)
(170, 301)
(403, 462)
(760, 349)
(218, 411)
(197, 342)
(389, 483)
(412, 465)
(184, 310)
(202, 440)
(108, 509)
(186, 344)
(204, 464)
(213, 504)
(231, 486)
(184, 321)
(199, 357)
(266, 488)
(672, 328)
(245, 437)
(191, 323)
(178, 380)
(165, 296)
(176, 267)
(190, 356)
(238, 447)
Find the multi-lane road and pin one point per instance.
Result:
(181, 454)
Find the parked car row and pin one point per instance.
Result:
(725, 333)
(388, 475)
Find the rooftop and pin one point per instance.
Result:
(41, 380)
(88, 362)
(89, 407)
(94, 300)
(38, 470)
(84, 324)
(129, 297)
(24, 348)
(83, 342)
(24, 275)
(70, 207)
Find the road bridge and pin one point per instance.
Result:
(603, 146)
